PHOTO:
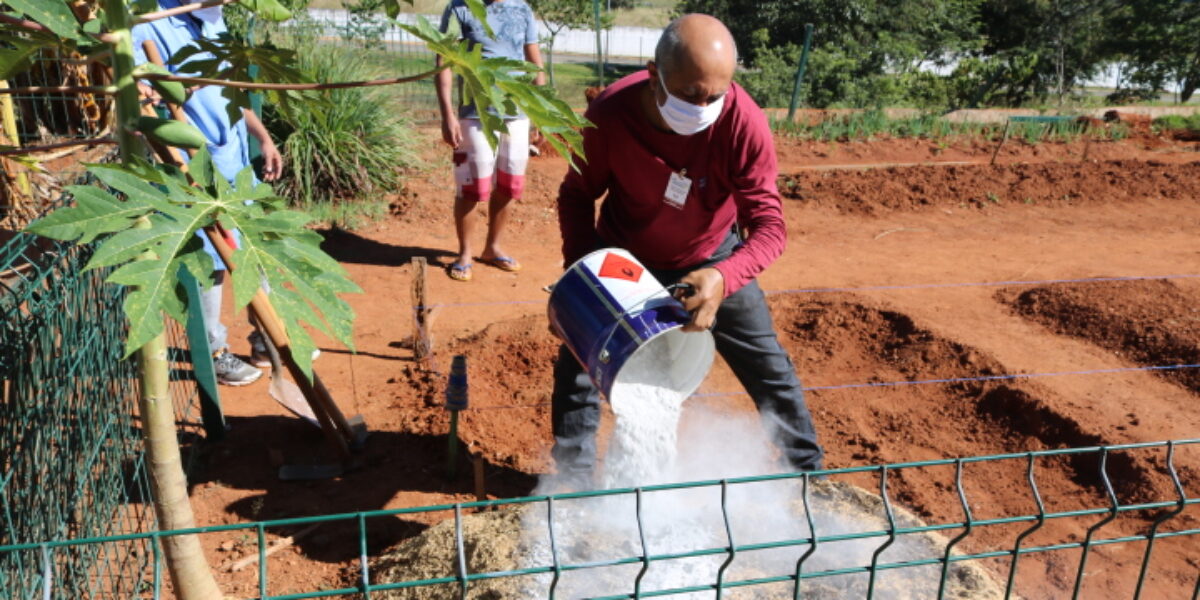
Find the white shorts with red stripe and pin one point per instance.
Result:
(476, 165)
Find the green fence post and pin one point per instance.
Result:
(808, 31)
(202, 366)
(599, 60)
(256, 98)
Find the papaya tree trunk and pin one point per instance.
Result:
(190, 574)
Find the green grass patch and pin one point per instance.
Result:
(1177, 123)
(872, 124)
(348, 214)
(344, 146)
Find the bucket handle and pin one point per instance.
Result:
(687, 288)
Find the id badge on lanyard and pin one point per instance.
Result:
(678, 186)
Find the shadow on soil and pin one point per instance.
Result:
(391, 464)
(349, 247)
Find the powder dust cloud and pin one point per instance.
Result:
(648, 448)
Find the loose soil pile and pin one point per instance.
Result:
(1150, 323)
(982, 186)
(505, 540)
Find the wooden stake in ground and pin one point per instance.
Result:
(422, 345)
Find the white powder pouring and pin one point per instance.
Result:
(646, 400)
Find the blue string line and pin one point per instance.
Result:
(875, 288)
(848, 386)
(818, 388)
(910, 287)
(979, 284)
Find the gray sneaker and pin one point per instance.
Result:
(231, 370)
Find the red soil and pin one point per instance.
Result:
(890, 238)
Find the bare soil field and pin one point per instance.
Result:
(933, 311)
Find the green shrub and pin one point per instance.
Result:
(1177, 123)
(346, 144)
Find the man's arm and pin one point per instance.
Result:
(443, 82)
(758, 201)
(533, 54)
(578, 193)
(272, 159)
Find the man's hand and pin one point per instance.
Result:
(147, 94)
(272, 161)
(451, 131)
(708, 290)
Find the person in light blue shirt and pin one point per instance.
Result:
(228, 144)
(479, 172)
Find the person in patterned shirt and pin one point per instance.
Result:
(479, 172)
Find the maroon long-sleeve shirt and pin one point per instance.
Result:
(732, 167)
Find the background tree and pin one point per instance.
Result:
(865, 52)
(942, 54)
(1035, 49)
(1159, 41)
(559, 15)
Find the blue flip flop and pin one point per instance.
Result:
(459, 272)
(504, 263)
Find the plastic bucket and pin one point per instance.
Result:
(624, 327)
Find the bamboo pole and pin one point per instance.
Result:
(8, 119)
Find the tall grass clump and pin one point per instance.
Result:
(872, 124)
(349, 148)
(1177, 123)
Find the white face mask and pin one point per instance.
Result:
(210, 15)
(686, 118)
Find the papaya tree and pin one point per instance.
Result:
(143, 215)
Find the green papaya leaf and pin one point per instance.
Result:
(54, 14)
(16, 58)
(96, 212)
(270, 10)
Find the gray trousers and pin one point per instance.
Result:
(745, 338)
(210, 306)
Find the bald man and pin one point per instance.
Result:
(681, 155)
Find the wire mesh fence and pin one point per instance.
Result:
(47, 117)
(71, 451)
(872, 559)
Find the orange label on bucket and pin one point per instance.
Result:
(616, 266)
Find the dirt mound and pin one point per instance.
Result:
(505, 540)
(895, 189)
(1152, 323)
(509, 365)
(966, 415)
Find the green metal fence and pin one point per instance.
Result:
(44, 118)
(1159, 523)
(71, 452)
